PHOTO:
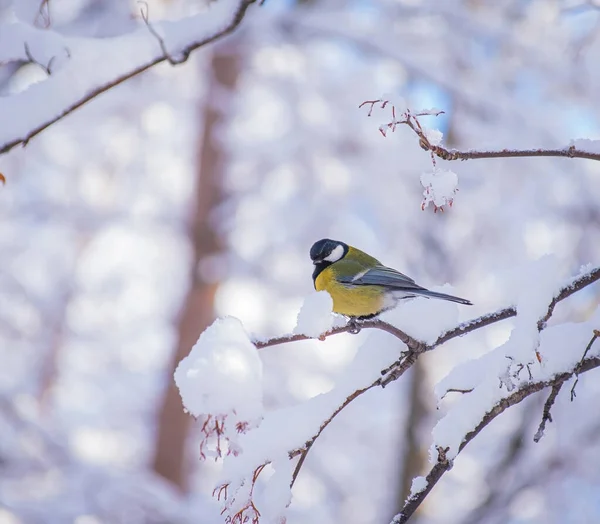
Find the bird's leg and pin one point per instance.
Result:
(354, 326)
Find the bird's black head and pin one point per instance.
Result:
(325, 252)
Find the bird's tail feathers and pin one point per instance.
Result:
(443, 296)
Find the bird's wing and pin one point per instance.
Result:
(382, 276)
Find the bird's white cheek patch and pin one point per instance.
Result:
(336, 254)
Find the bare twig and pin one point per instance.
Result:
(546, 415)
(46, 67)
(184, 52)
(587, 349)
(43, 17)
(144, 12)
(456, 390)
(308, 445)
(412, 121)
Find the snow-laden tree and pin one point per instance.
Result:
(95, 259)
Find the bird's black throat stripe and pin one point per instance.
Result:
(319, 267)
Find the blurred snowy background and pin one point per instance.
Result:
(196, 191)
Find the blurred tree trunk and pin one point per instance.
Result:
(197, 311)
(413, 461)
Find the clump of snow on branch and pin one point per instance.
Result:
(284, 432)
(440, 186)
(433, 135)
(315, 316)
(418, 485)
(221, 379)
(526, 356)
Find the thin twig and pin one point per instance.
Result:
(411, 342)
(304, 450)
(185, 51)
(161, 42)
(47, 68)
(300, 463)
(546, 415)
(587, 349)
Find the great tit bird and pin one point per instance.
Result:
(361, 286)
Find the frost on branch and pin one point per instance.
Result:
(440, 186)
(221, 379)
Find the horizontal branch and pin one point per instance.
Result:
(443, 465)
(411, 342)
(411, 120)
(577, 284)
(453, 154)
(182, 54)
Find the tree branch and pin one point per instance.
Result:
(411, 342)
(577, 284)
(546, 415)
(411, 120)
(443, 465)
(416, 348)
(183, 55)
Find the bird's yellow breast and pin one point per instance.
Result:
(358, 301)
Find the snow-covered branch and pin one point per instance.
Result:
(228, 372)
(444, 464)
(441, 185)
(80, 69)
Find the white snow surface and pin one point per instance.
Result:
(315, 316)
(222, 375)
(440, 186)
